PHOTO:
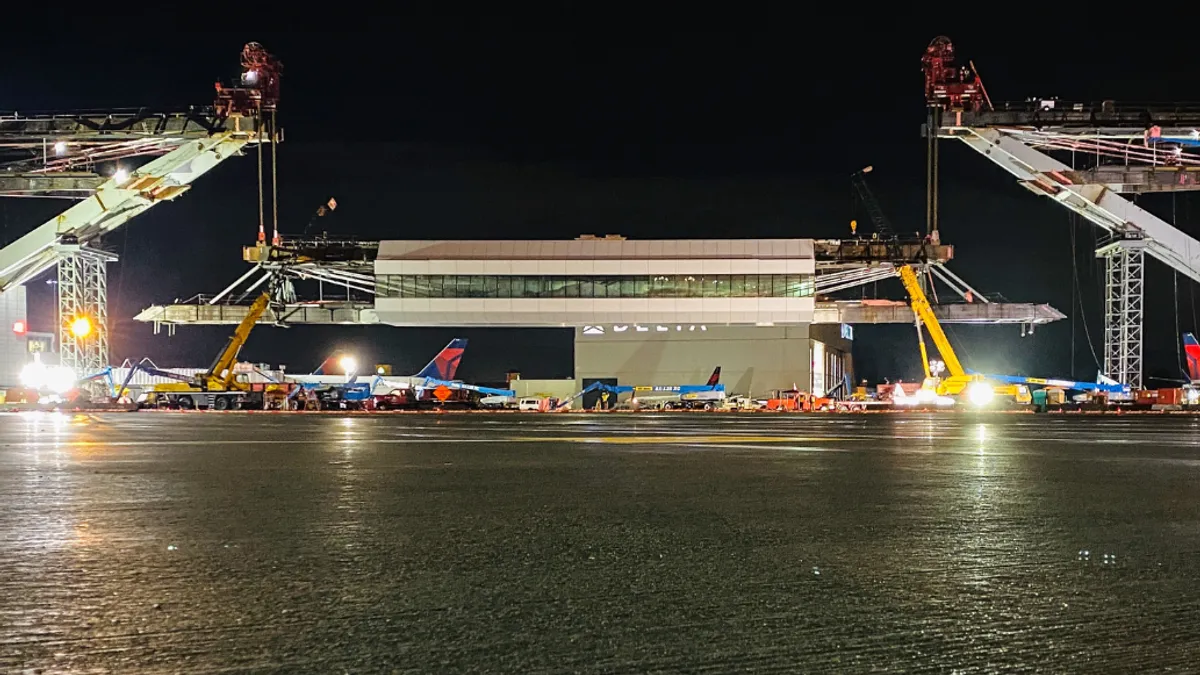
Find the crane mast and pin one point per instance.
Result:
(882, 227)
(924, 313)
(221, 371)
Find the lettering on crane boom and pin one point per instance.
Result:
(656, 388)
(1052, 383)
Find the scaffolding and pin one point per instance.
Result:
(1123, 296)
(83, 296)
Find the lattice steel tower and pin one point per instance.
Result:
(83, 307)
(1123, 294)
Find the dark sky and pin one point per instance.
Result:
(424, 133)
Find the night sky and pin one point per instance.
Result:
(499, 134)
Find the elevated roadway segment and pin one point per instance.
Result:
(646, 311)
(335, 312)
(587, 282)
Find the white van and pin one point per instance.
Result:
(529, 404)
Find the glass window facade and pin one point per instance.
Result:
(661, 286)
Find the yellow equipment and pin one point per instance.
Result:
(959, 381)
(220, 376)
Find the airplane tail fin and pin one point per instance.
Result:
(327, 366)
(1191, 351)
(715, 377)
(445, 365)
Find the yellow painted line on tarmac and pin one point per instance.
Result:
(671, 440)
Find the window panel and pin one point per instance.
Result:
(793, 285)
(737, 285)
(549, 286)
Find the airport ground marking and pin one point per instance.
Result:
(672, 440)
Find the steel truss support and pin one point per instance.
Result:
(1132, 225)
(83, 294)
(1124, 262)
(841, 280)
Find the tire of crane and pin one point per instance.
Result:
(186, 402)
(221, 403)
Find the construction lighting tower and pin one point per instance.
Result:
(92, 156)
(1106, 149)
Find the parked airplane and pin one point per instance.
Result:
(439, 372)
(706, 396)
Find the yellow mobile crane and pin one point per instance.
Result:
(219, 387)
(959, 382)
(977, 389)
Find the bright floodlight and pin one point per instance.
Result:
(60, 148)
(59, 379)
(81, 327)
(33, 375)
(348, 364)
(120, 176)
(980, 393)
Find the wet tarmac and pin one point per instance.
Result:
(209, 543)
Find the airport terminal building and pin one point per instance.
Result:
(644, 312)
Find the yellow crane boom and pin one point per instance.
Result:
(924, 313)
(221, 372)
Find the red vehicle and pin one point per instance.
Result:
(438, 397)
(793, 400)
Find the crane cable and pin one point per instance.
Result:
(261, 196)
(1175, 279)
(1073, 219)
(1192, 286)
(274, 182)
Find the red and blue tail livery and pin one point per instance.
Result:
(1191, 351)
(445, 365)
(715, 377)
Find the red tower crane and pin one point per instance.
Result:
(948, 86)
